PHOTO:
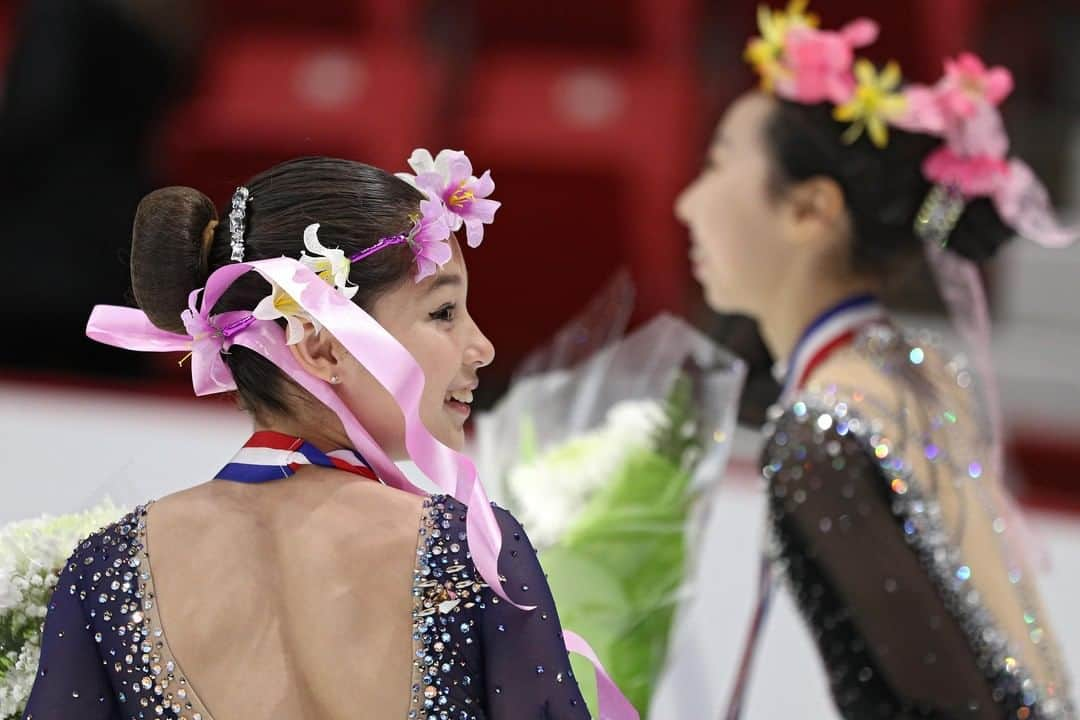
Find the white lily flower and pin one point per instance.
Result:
(421, 162)
(279, 304)
(328, 263)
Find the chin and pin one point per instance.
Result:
(452, 438)
(720, 302)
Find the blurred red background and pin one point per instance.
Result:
(592, 115)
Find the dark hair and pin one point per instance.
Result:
(884, 188)
(355, 204)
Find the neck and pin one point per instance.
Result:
(783, 321)
(327, 439)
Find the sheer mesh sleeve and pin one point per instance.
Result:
(526, 666)
(894, 640)
(71, 679)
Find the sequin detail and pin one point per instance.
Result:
(446, 588)
(820, 427)
(124, 616)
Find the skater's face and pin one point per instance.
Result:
(733, 229)
(751, 231)
(431, 321)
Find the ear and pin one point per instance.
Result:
(815, 213)
(816, 204)
(319, 354)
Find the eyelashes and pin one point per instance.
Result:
(444, 313)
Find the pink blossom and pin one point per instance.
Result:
(968, 82)
(428, 239)
(980, 133)
(449, 177)
(925, 113)
(817, 63)
(977, 176)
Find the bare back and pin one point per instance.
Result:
(305, 583)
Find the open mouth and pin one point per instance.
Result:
(460, 401)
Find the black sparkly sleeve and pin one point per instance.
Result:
(526, 666)
(892, 642)
(71, 679)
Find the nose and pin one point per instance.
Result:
(683, 203)
(480, 351)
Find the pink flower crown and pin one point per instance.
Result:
(453, 198)
(803, 64)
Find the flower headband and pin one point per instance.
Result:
(800, 63)
(315, 287)
(454, 197)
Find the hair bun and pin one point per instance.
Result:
(168, 252)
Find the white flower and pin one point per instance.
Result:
(279, 304)
(328, 263)
(550, 491)
(9, 594)
(422, 163)
(32, 553)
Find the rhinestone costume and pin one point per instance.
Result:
(863, 545)
(105, 654)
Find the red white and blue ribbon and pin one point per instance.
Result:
(270, 455)
(833, 329)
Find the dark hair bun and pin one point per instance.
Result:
(979, 232)
(167, 252)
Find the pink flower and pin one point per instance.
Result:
(817, 64)
(977, 176)
(428, 238)
(968, 82)
(980, 133)
(924, 113)
(449, 177)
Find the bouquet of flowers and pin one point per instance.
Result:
(601, 461)
(32, 555)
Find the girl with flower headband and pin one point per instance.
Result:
(887, 512)
(310, 578)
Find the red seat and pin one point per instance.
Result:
(588, 157)
(659, 28)
(265, 98)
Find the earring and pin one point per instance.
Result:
(335, 380)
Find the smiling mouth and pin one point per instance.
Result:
(460, 401)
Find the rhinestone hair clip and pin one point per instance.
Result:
(939, 214)
(237, 223)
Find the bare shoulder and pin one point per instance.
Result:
(853, 377)
(314, 503)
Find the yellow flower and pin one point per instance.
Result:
(764, 52)
(874, 103)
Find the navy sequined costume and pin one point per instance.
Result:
(105, 655)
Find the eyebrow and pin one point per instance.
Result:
(443, 281)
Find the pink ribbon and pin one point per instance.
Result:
(974, 156)
(373, 347)
(961, 287)
(613, 704)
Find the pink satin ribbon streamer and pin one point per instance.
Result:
(961, 287)
(613, 704)
(380, 353)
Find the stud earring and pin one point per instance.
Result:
(335, 380)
